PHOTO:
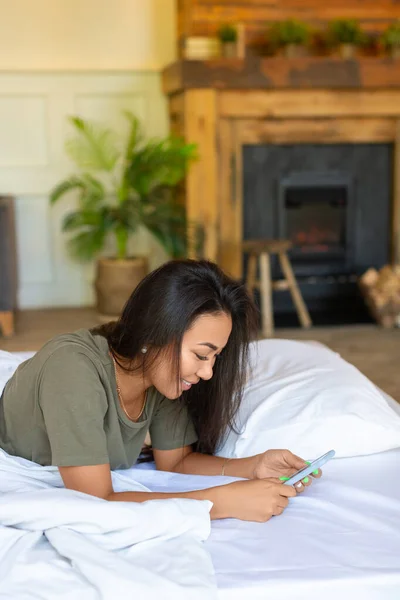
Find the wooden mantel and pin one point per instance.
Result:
(224, 104)
(280, 73)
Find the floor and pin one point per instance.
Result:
(375, 351)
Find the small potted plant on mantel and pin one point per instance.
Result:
(391, 39)
(120, 191)
(291, 35)
(228, 37)
(347, 35)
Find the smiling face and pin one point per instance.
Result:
(201, 344)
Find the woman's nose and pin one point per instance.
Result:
(206, 370)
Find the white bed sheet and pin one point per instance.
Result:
(338, 540)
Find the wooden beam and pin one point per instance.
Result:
(238, 200)
(201, 182)
(310, 104)
(317, 131)
(176, 109)
(177, 104)
(230, 200)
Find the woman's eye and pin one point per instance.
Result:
(201, 357)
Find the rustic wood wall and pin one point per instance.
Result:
(203, 17)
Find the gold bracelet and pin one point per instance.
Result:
(223, 466)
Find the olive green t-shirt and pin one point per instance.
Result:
(61, 408)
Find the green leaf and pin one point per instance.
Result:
(346, 31)
(166, 220)
(391, 37)
(289, 31)
(174, 244)
(134, 138)
(94, 148)
(82, 219)
(65, 186)
(135, 135)
(85, 245)
(158, 163)
(92, 226)
(130, 213)
(227, 33)
(92, 194)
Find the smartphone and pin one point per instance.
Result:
(316, 464)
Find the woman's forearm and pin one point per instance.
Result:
(206, 464)
(212, 494)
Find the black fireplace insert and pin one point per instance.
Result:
(316, 213)
(333, 201)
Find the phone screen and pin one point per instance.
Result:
(316, 464)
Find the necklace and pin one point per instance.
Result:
(120, 395)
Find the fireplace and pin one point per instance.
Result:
(333, 201)
(316, 212)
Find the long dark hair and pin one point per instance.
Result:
(161, 308)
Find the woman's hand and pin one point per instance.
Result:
(281, 463)
(255, 500)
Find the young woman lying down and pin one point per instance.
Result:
(174, 365)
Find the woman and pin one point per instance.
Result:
(174, 365)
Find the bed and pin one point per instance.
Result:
(340, 539)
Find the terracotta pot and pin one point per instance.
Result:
(347, 51)
(114, 283)
(229, 49)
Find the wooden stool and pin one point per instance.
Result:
(261, 250)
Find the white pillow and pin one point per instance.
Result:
(9, 361)
(304, 397)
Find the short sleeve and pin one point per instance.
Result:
(73, 402)
(171, 426)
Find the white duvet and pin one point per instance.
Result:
(57, 543)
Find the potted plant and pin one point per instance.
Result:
(391, 39)
(347, 35)
(291, 35)
(228, 36)
(120, 189)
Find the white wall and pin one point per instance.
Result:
(57, 58)
(86, 34)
